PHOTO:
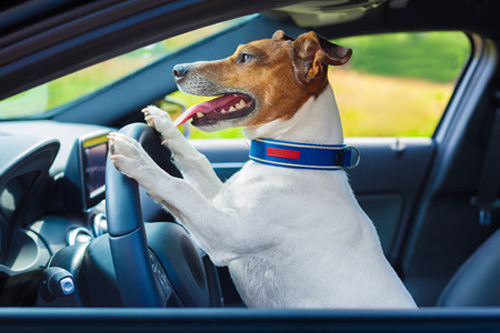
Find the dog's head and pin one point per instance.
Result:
(262, 81)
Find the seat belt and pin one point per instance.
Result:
(486, 200)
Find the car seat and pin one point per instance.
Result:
(477, 281)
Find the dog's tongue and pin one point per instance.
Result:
(205, 107)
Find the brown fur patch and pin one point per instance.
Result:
(280, 74)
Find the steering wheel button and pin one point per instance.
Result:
(67, 285)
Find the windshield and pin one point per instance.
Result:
(39, 100)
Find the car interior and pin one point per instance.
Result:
(75, 233)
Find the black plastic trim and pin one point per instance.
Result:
(244, 320)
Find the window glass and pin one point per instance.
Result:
(395, 84)
(73, 86)
(398, 84)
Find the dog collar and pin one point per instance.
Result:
(303, 155)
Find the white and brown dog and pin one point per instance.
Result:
(292, 234)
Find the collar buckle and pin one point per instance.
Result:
(357, 157)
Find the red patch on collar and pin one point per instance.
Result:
(283, 153)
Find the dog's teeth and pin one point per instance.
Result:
(232, 109)
(199, 114)
(223, 111)
(239, 105)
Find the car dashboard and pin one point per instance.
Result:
(51, 190)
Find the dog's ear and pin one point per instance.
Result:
(312, 54)
(280, 34)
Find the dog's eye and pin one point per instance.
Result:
(244, 57)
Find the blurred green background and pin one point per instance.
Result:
(382, 71)
(435, 56)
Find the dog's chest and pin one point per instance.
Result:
(277, 193)
(293, 219)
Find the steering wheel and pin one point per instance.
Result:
(169, 266)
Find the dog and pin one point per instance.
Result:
(293, 236)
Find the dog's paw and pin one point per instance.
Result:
(127, 155)
(160, 120)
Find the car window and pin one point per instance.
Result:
(396, 84)
(73, 86)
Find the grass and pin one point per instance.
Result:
(436, 57)
(394, 85)
(373, 105)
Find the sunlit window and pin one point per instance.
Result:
(398, 84)
(73, 86)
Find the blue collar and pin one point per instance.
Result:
(303, 155)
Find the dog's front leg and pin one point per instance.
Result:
(194, 166)
(216, 229)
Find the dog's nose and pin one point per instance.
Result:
(180, 70)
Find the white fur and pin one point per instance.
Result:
(291, 238)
